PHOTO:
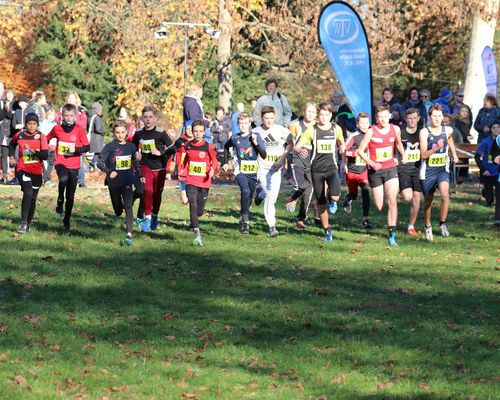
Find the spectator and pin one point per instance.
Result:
(45, 127)
(5, 130)
(221, 130)
(444, 100)
(413, 101)
(192, 107)
(387, 98)
(96, 132)
(18, 115)
(397, 115)
(486, 116)
(456, 135)
(425, 97)
(275, 99)
(81, 115)
(240, 107)
(342, 114)
(457, 103)
(36, 105)
(463, 123)
(124, 115)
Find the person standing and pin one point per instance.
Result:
(71, 143)
(192, 107)
(275, 99)
(96, 132)
(32, 150)
(489, 113)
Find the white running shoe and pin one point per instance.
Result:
(444, 230)
(428, 233)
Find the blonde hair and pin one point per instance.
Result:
(78, 100)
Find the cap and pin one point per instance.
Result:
(23, 98)
(31, 117)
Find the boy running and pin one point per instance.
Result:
(200, 164)
(357, 174)
(155, 146)
(32, 150)
(71, 143)
(247, 147)
(118, 161)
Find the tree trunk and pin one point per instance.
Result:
(223, 57)
(483, 33)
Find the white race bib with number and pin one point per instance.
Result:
(383, 154)
(123, 162)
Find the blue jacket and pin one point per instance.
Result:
(484, 159)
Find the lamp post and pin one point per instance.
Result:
(162, 34)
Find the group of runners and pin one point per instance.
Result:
(381, 157)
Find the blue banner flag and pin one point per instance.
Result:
(343, 36)
(490, 70)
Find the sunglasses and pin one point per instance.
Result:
(424, 96)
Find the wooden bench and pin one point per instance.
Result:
(465, 151)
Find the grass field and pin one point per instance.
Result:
(246, 316)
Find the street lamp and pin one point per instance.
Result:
(162, 34)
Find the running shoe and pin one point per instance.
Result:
(245, 228)
(128, 240)
(300, 225)
(428, 234)
(154, 222)
(347, 206)
(412, 232)
(328, 236)
(392, 240)
(290, 206)
(273, 231)
(444, 230)
(366, 224)
(198, 240)
(139, 222)
(66, 224)
(259, 198)
(23, 228)
(146, 225)
(332, 207)
(59, 208)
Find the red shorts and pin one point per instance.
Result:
(356, 180)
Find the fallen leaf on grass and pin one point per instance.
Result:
(168, 316)
(55, 347)
(170, 338)
(133, 317)
(339, 379)
(323, 397)
(119, 388)
(3, 357)
(21, 380)
(189, 396)
(299, 387)
(3, 328)
(384, 385)
(15, 234)
(47, 258)
(423, 385)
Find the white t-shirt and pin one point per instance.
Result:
(275, 139)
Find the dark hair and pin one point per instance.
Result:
(381, 108)
(387, 89)
(69, 107)
(491, 98)
(412, 89)
(219, 108)
(198, 122)
(266, 110)
(411, 111)
(119, 124)
(362, 115)
(271, 80)
(325, 106)
(243, 115)
(435, 107)
(148, 109)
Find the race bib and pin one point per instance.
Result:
(197, 168)
(359, 161)
(123, 162)
(325, 146)
(147, 146)
(249, 166)
(272, 158)
(29, 158)
(490, 159)
(412, 155)
(437, 160)
(65, 148)
(384, 154)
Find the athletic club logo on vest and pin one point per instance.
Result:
(202, 154)
(73, 138)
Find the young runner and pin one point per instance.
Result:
(323, 139)
(435, 140)
(356, 172)
(200, 164)
(71, 143)
(277, 149)
(490, 170)
(408, 172)
(155, 146)
(381, 140)
(179, 160)
(301, 166)
(247, 147)
(118, 161)
(32, 150)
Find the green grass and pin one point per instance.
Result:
(246, 316)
